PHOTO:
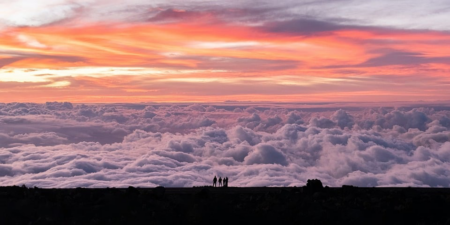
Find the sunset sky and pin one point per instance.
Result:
(208, 51)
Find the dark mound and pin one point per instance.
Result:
(206, 205)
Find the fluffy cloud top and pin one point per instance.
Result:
(65, 145)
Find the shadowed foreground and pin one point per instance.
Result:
(207, 205)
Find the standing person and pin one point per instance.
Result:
(214, 181)
(220, 181)
(226, 181)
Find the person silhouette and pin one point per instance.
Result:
(220, 181)
(214, 181)
(226, 182)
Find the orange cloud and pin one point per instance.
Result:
(193, 61)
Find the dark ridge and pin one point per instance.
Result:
(311, 204)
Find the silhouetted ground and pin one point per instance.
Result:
(207, 205)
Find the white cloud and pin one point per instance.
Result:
(37, 13)
(66, 145)
(409, 14)
(30, 41)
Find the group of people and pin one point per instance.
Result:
(225, 182)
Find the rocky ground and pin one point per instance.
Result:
(207, 205)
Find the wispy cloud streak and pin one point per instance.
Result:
(175, 51)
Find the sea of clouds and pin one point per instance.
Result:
(59, 145)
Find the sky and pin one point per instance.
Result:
(98, 51)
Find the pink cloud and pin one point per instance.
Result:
(365, 147)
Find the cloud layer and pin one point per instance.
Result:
(66, 145)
